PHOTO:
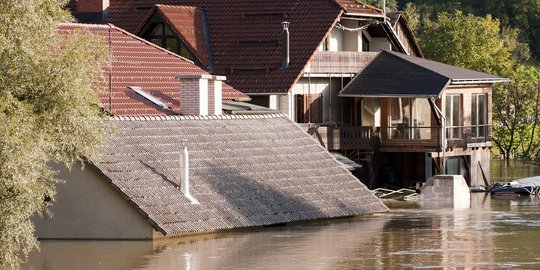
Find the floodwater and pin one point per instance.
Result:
(507, 170)
(494, 233)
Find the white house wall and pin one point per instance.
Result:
(377, 44)
(350, 38)
(335, 40)
(87, 207)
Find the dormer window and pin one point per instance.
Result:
(162, 35)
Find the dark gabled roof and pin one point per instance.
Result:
(188, 23)
(245, 36)
(394, 74)
(244, 171)
(137, 62)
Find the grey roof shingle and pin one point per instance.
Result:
(244, 170)
(394, 74)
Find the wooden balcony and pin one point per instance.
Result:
(339, 62)
(470, 136)
(411, 139)
(338, 138)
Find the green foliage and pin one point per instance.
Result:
(391, 5)
(517, 14)
(48, 111)
(466, 41)
(480, 43)
(517, 114)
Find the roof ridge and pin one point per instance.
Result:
(401, 58)
(195, 117)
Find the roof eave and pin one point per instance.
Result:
(352, 14)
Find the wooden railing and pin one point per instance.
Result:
(393, 138)
(339, 62)
(337, 138)
(470, 136)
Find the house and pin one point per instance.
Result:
(436, 120)
(176, 165)
(305, 59)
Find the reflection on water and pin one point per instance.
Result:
(508, 170)
(501, 233)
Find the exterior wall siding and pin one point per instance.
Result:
(87, 207)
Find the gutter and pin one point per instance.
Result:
(365, 15)
(476, 81)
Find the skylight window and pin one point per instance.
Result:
(149, 97)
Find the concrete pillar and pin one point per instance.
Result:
(445, 191)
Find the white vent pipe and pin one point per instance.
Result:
(184, 186)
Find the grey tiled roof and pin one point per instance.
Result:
(246, 170)
(396, 74)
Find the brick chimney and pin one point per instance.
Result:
(92, 11)
(200, 94)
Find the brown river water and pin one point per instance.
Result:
(494, 233)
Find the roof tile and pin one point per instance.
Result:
(136, 62)
(244, 172)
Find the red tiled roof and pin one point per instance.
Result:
(187, 23)
(353, 6)
(136, 62)
(245, 36)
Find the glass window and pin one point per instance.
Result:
(371, 112)
(410, 119)
(479, 115)
(171, 44)
(365, 43)
(158, 30)
(162, 35)
(453, 116)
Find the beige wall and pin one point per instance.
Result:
(87, 207)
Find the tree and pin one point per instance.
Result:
(517, 14)
(517, 114)
(466, 41)
(48, 111)
(391, 5)
(479, 43)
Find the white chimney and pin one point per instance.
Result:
(184, 185)
(200, 94)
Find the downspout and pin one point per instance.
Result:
(443, 135)
(184, 186)
(110, 69)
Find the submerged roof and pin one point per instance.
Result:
(244, 171)
(137, 62)
(394, 74)
(245, 36)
